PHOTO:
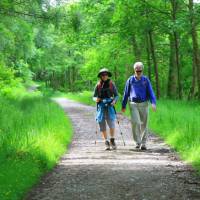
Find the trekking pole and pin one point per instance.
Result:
(96, 132)
(119, 127)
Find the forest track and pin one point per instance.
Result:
(87, 172)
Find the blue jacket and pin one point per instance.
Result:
(138, 90)
(101, 110)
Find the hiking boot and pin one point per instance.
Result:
(107, 145)
(137, 146)
(113, 144)
(143, 147)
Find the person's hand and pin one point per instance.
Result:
(98, 100)
(123, 109)
(153, 107)
(113, 103)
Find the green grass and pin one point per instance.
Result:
(178, 122)
(34, 133)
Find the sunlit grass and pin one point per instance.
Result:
(34, 133)
(179, 123)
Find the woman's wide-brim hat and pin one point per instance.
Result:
(104, 70)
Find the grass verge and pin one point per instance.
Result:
(178, 122)
(34, 133)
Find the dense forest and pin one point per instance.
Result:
(65, 43)
(60, 45)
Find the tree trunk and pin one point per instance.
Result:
(148, 56)
(136, 50)
(152, 49)
(176, 40)
(73, 77)
(196, 56)
(172, 78)
(174, 4)
(69, 78)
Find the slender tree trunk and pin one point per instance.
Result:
(150, 48)
(191, 93)
(154, 59)
(196, 56)
(136, 49)
(69, 78)
(73, 77)
(148, 56)
(172, 77)
(178, 65)
(174, 4)
(65, 79)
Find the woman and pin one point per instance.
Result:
(106, 95)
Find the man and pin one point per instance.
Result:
(106, 95)
(139, 91)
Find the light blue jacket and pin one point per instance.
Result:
(101, 109)
(104, 106)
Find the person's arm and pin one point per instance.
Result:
(126, 95)
(115, 92)
(152, 96)
(95, 95)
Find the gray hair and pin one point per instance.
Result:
(138, 64)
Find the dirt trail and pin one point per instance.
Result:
(87, 172)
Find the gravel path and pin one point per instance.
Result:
(87, 172)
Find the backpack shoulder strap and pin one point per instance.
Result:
(131, 79)
(145, 79)
(99, 85)
(111, 86)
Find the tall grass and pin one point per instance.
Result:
(178, 122)
(34, 132)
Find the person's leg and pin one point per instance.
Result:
(104, 135)
(112, 132)
(136, 124)
(102, 126)
(144, 111)
(111, 125)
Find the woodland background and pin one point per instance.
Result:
(64, 46)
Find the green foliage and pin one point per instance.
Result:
(33, 134)
(116, 33)
(65, 46)
(7, 81)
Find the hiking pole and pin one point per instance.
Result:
(96, 132)
(119, 127)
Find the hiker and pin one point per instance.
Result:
(106, 95)
(138, 91)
